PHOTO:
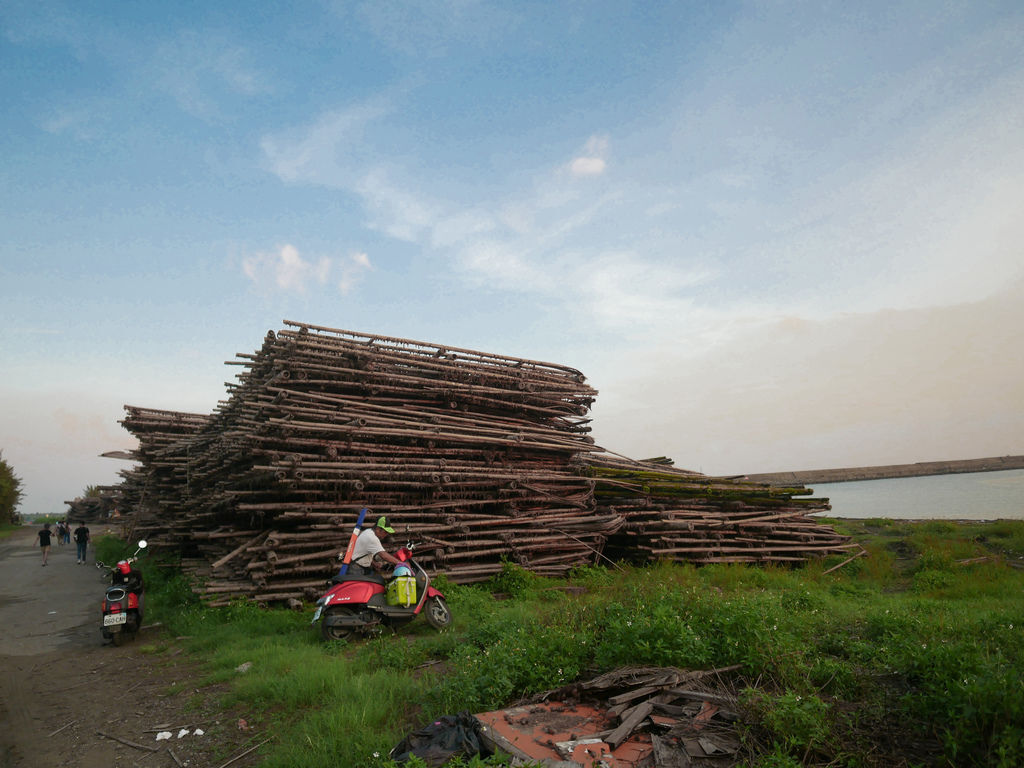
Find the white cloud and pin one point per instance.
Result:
(286, 270)
(587, 166)
(726, 246)
(432, 30)
(592, 161)
(352, 271)
(78, 122)
(200, 71)
(536, 243)
(396, 209)
(331, 152)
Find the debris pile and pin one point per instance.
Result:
(478, 458)
(635, 716)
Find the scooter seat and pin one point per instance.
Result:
(374, 578)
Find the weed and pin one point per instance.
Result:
(932, 580)
(798, 723)
(904, 640)
(593, 576)
(515, 580)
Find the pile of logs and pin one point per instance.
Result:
(474, 456)
(478, 458)
(689, 517)
(94, 509)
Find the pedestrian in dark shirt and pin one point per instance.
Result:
(82, 540)
(44, 541)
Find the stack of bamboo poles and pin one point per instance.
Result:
(688, 517)
(472, 455)
(476, 457)
(156, 489)
(94, 509)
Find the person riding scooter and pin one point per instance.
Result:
(369, 554)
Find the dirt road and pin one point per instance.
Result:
(68, 699)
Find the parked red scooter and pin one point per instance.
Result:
(365, 603)
(124, 600)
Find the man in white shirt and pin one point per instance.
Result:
(369, 549)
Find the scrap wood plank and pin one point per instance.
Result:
(630, 722)
(675, 710)
(705, 672)
(624, 676)
(637, 693)
(714, 698)
(624, 706)
(667, 756)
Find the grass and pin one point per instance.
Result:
(908, 656)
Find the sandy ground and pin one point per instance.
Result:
(67, 698)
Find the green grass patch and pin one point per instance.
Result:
(910, 655)
(9, 529)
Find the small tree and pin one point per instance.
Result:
(10, 492)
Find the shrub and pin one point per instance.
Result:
(797, 722)
(514, 580)
(932, 580)
(933, 559)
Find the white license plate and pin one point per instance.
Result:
(112, 619)
(319, 610)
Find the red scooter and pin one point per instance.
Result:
(363, 604)
(124, 599)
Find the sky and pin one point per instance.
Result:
(773, 235)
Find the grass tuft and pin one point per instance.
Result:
(906, 656)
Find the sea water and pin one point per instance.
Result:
(966, 496)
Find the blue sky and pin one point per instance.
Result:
(773, 235)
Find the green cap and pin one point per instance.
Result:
(382, 523)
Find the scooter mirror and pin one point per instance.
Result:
(142, 544)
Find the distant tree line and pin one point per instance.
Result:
(10, 492)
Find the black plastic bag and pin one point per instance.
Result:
(437, 743)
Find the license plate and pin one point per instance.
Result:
(113, 619)
(319, 610)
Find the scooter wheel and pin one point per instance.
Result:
(118, 638)
(336, 632)
(438, 615)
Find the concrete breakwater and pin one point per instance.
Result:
(921, 468)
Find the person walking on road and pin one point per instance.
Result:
(82, 540)
(44, 541)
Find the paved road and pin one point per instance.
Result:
(59, 684)
(46, 609)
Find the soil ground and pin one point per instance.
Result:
(66, 696)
